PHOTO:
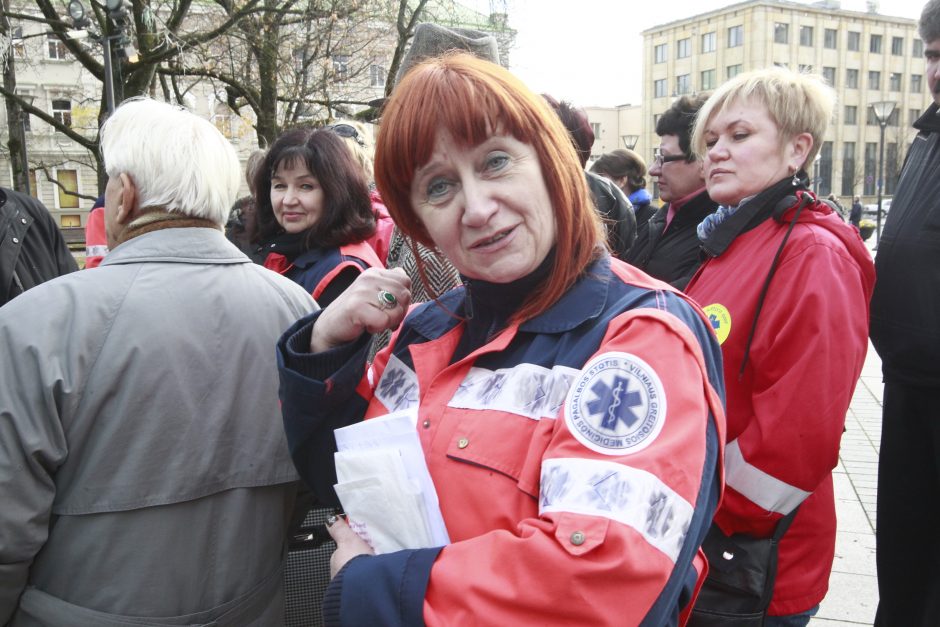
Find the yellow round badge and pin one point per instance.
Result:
(720, 319)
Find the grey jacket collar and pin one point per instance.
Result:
(183, 245)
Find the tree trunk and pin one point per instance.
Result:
(16, 143)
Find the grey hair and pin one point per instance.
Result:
(929, 25)
(177, 160)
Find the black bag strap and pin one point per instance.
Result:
(784, 524)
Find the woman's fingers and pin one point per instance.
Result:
(348, 544)
(377, 300)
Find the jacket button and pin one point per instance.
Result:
(23, 220)
(16, 240)
(463, 443)
(426, 424)
(577, 538)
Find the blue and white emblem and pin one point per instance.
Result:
(616, 405)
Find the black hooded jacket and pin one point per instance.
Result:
(32, 249)
(905, 308)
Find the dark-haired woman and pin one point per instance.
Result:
(313, 213)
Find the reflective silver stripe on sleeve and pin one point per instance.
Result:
(98, 250)
(762, 489)
(631, 496)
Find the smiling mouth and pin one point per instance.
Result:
(494, 239)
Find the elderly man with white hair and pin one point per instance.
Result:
(144, 475)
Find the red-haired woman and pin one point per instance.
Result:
(313, 213)
(568, 406)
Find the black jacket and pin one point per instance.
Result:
(672, 254)
(905, 308)
(32, 249)
(615, 210)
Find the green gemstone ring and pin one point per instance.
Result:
(387, 300)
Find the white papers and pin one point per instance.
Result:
(384, 484)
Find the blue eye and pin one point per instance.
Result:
(437, 188)
(497, 161)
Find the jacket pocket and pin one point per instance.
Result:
(505, 443)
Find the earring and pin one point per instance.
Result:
(795, 181)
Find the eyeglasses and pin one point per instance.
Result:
(659, 159)
(345, 130)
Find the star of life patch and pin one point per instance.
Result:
(617, 405)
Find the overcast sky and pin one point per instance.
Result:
(589, 51)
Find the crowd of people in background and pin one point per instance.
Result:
(622, 406)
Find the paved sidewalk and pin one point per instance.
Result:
(853, 587)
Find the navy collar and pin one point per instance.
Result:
(585, 300)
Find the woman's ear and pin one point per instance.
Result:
(799, 148)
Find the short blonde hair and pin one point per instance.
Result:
(797, 103)
(362, 152)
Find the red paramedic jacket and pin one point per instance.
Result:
(576, 456)
(787, 410)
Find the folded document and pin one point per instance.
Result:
(384, 484)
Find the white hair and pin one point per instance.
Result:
(177, 160)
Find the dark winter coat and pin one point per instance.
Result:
(32, 249)
(905, 309)
(672, 254)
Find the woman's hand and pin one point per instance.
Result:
(377, 300)
(348, 544)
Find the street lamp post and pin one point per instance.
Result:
(882, 111)
(117, 11)
(629, 141)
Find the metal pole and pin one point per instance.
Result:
(881, 169)
(108, 74)
(25, 157)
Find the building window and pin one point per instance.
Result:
(708, 42)
(56, 49)
(223, 122)
(851, 115)
(894, 81)
(683, 48)
(62, 112)
(897, 46)
(596, 129)
(708, 79)
(830, 38)
(874, 79)
(735, 36)
(70, 221)
(659, 53)
(851, 79)
(805, 68)
(656, 118)
(17, 43)
(874, 45)
(340, 67)
(848, 169)
(781, 33)
(659, 88)
(914, 115)
(683, 84)
(806, 35)
(825, 169)
(829, 73)
(33, 184)
(918, 48)
(915, 83)
(377, 75)
(871, 168)
(854, 41)
(732, 70)
(68, 188)
(895, 117)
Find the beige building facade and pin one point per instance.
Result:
(866, 57)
